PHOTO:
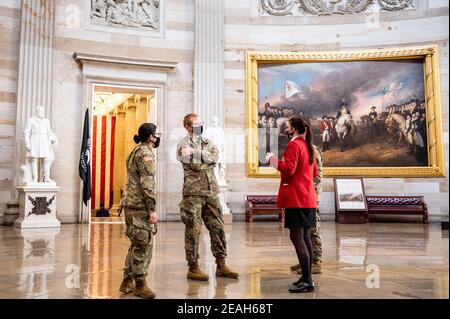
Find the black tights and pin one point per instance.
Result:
(301, 238)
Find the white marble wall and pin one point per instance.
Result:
(246, 30)
(9, 52)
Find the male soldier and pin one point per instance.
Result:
(408, 129)
(139, 202)
(315, 232)
(373, 114)
(200, 201)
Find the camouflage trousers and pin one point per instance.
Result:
(317, 239)
(140, 252)
(194, 210)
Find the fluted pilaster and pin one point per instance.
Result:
(209, 68)
(35, 81)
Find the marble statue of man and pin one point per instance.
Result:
(216, 134)
(39, 142)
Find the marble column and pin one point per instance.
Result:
(152, 109)
(130, 125)
(209, 66)
(209, 72)
(35, 79)
(142, 110)
(119, 157)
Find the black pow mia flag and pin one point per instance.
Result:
(85, 160)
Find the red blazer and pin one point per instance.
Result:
(296, 187)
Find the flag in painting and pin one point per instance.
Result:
(293, 89)
(390, 91)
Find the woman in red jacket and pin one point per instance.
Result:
(298, 168)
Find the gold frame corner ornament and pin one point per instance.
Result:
(430, 56)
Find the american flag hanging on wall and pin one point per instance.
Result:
(103, 160)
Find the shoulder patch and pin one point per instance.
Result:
(147, 158)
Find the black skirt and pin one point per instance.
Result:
(300, 217)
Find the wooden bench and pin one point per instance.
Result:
(413, 205)
(262, 205)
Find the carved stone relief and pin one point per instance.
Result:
(330, 7)
(142, 14)
(40, 205)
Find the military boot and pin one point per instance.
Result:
(223, 270)
(316, 269)
(195, 273)
(295, 267)
(143, 291)
(127, 285)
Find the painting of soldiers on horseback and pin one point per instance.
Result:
(362, 113)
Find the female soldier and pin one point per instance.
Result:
(138, 202)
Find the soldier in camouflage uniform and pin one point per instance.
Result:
(138, 202)
(199, 156)
(315, 231)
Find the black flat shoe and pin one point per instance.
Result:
(302, 287)
(300, 280)
(296, 283)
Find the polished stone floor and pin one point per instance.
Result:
(85, 261)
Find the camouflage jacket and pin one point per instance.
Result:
(199, 177)
(318, 180)
(140, 189)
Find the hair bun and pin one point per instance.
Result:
(137, 140)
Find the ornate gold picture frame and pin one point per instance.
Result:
(432, 163)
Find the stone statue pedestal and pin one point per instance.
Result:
(226, 213)
(37, 206)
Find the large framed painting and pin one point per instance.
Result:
(374, 113)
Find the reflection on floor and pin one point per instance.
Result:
(85, 261)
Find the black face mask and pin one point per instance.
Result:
(156, 143)
(197, 130)
(289, 134)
